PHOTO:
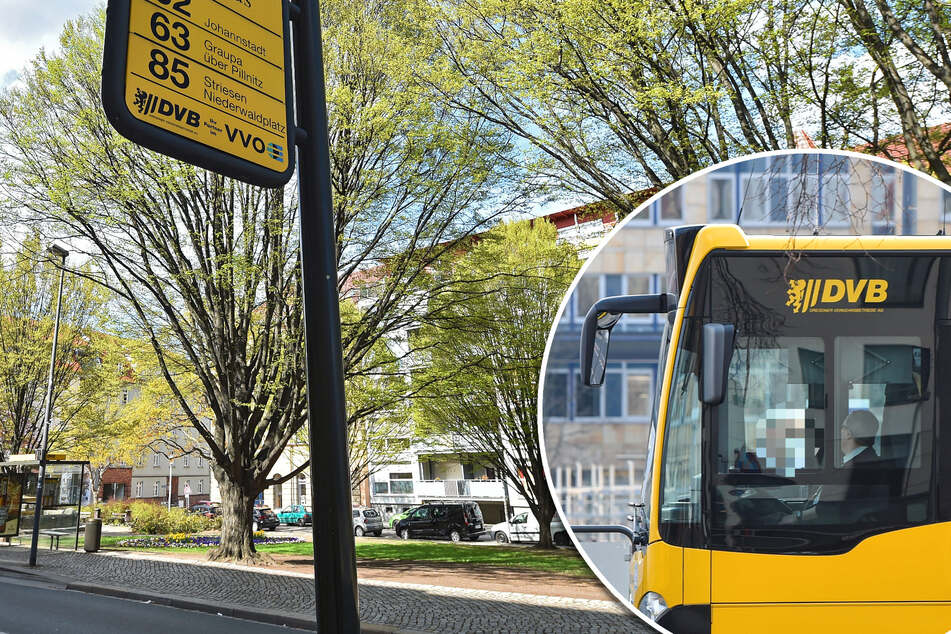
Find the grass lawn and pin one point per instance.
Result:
(563, 561)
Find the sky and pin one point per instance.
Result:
(27, 26)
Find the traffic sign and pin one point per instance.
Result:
(204, 81)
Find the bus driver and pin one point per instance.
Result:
(858, 437)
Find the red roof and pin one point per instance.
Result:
(895, 148)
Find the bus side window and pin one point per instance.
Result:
(680, 508)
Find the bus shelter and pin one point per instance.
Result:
(62, 496)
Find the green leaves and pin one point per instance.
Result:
(480, 352)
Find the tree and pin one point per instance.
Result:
(485, 341)
(616, 96)
(377, 403)
(207, 268)
(922, 30)
(88, 369)
(611, 97)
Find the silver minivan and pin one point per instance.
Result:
(367, 520)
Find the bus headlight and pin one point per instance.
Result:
(653, 605)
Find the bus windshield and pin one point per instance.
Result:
(826, 433)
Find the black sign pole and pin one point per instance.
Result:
(334, 558)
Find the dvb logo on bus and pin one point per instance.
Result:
(809, 294)
(256, 143)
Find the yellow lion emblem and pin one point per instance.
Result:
(795, 293)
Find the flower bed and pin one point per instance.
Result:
(180, 540)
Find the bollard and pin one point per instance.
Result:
(98, 515)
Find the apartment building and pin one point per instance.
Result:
(178, 462)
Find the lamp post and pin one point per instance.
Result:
(170, 461)
(44, 439)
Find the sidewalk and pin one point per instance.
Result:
(288, 598)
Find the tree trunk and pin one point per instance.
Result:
(544, 513)
(237, 514)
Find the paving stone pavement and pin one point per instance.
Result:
(412, 606)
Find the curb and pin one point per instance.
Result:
(260, 615)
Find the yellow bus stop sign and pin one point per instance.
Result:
(203, 81)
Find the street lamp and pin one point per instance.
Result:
(171, 460)
(61, 253)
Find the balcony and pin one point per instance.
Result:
(478, 489)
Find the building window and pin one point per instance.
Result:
(155, 459)
(556, 395)
(720, 187)
(881, 196)
(754, 199)
(587, 399)
(185, 461)
(155, 489)
(635, 284)
(780, 190)
(200, 461)
(138, 489)
(397, 444)
(670, 206)
(587, 292)
(124, 397)
(945, 206)
(401, 487)
(201, 486)
(626, 394)
(381, 488)
(836, 194)
(639, 392)
(401, 482)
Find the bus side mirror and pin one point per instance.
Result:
(717, 341)
(596, 330)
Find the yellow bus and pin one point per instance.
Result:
(799, 462)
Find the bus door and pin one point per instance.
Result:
(680, 520)
(820, 497)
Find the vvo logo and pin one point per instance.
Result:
(236, 135)
(803, 295)
(147, 103)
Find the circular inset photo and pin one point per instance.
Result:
(741, 399)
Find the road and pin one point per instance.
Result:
(28, 606)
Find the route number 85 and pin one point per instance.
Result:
(159, 67)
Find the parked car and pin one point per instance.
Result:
(264, 519)
(366, 520)
(398, 516)
(455, 520)
(296, 514)
(208, 509)
(524, 528)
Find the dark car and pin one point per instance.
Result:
(208, 509)
(265, 519)
(455, 520)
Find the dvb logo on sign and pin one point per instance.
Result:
(147, 103)
(824, 294)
